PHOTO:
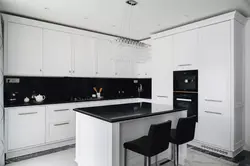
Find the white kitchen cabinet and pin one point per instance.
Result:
(57, 51)
(123, 61)
(162, 77)
(214, 85)
(23, 50)
(185, 50)
(143, 63)
(60, 122)
(25, 127)
(83, 56)
(221, 89)
(214, 125)
(105, 51)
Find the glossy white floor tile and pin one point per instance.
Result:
(67, 157)
(63, 158)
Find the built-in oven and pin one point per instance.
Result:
(188, 101)
(186, 91)
(186, 81)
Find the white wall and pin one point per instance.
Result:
(247, 90)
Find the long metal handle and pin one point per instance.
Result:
(211, 100)
(181, 99)
(61, 110)
(61, 124)
(210, 112)
(163, 96)
(185, 65)
(28, 113)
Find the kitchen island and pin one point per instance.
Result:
(101, 131)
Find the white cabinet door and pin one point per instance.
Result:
(24, 50)
(60, 122)
(185, 50)
(214, 61)
(214, 85)
(56, 53)
(105, 50)
(143, 63)
(162, 78)
(123, 63)
(25, 127)
(84, 56)
(214, 125)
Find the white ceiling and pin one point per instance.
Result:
(117, 18)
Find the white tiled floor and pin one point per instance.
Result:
(63, 158)
(66, 158)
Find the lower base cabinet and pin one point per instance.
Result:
(28, 127)
(25, 127)
(60, 124)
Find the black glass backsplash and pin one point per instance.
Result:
(62, 90)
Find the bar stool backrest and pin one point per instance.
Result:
(159, 137)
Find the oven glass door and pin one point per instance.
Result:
(187, 101)
(186, 80)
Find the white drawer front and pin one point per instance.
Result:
(61, 131)
(60, 122)
(60, 114)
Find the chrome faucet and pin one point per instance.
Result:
(140, 89)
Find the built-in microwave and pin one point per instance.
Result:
(186, 81)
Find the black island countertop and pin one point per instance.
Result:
(123, 112)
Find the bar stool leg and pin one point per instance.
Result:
(149, 161)
(177, 155)
(145, 161)
(125, 157)
(156, 160)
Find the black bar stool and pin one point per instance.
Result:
(183, 133)
(154, 143)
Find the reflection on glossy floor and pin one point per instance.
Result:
(66, 158)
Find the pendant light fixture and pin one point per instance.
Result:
(129, 41)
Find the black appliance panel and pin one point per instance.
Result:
(186, 80)
(188, 101)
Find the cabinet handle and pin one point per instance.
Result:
(28, 113)
(61, 110)
(185, 65)
(210, 100)
(210, 112)
(163, 96)
(61, 124)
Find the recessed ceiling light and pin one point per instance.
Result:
(46, 8)
(86, 18)
(131, 2)
(158, 25)
(113, 25)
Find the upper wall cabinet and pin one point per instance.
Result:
(56, 53)
(185, 50)
(43, 49)
(23, 55)
(143, 60)
(83, 59)
(105, 50)
(123, 61)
